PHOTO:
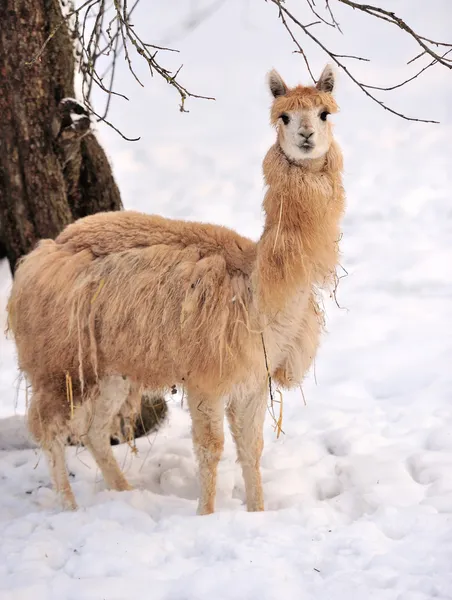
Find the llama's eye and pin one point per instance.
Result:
(324, 115)
(285, 118)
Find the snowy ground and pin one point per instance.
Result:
(359, 489)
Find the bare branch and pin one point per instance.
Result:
(76, 11)
(333, 19)
(98, 37)
(295, 41)
(128, 31)
(104, 120)
(103, 30)
(386, 15)
(351, 56)
(112, 77)
(286, 16)
(434, 42)
(311, 5)
(398, 85)
(416, 57)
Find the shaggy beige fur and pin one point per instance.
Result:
(124, 301)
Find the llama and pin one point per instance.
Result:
(123, 301)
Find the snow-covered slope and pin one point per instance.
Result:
(359, 489)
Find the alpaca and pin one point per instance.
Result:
(123, 301)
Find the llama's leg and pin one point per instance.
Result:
(246, 416)
(208, 440)
(113, 392)
(55, 455)
(43, 422)
(98, 443)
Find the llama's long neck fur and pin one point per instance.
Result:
(299, 245)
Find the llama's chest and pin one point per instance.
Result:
(291, 337)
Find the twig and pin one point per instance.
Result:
(104, 120)
(337, 279)
(398, 85)
(390, 17)
(352, 56)
(302, 395)
(416, 57)
(112, 77)
(284, 12)
(295, 41)
(57, 27)
(103, 29)
(311, 5)
(143, 50)
(336, 24)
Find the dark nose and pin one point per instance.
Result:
(306, 134)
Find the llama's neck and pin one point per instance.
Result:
(299, 245)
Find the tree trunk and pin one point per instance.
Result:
(52, 168)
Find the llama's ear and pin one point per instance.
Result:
(326, 80)
(276, 84)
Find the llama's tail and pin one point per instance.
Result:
(25, 268)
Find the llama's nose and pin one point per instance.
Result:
(306, 133)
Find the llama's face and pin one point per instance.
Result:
(301, 116)
(305, 133)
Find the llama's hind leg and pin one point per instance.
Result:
(98, 443)
(208, 440)
(113, 392)
(246, 415)
(55, 453)
(44, 424)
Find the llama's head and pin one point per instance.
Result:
(301, 116)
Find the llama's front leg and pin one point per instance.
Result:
(246, 415)
(208, 441)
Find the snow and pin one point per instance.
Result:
(359, 489)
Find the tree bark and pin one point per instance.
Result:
(52, 169)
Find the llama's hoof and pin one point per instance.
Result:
(69, 504)
(256, 508)
(121, 486)
(204, 510)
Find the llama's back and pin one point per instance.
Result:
(113, 232)
(132, 294)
